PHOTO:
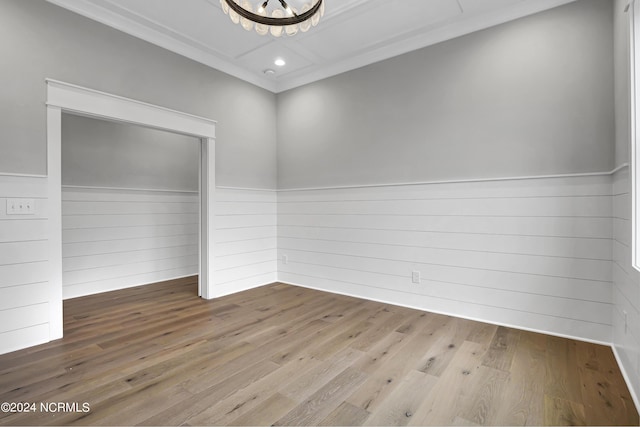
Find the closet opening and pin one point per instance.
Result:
(81, 104)
(130, 205)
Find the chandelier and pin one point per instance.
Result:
(283, 19)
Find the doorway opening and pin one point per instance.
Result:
(76, 100)
(130, 205)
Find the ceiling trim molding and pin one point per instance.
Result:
(159, 38)
(420, 40)
(181, 44)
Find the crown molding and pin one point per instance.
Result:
(163, 37)
(420, 39)
(181, 44)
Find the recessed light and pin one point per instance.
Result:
(279, 62)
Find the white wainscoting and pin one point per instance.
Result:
(533, 253)
(246, 239)
(115, 238)
(24, 269)
(626, 285)
(529, 253)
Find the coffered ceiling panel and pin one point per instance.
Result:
(353, 33)
(263, 59)
(380, 22)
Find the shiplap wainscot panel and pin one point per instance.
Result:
(118, 238)
(626, 284)
(529, 253)
(246, 239)
(115, 238)
(24, 291)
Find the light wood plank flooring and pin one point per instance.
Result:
(283, 355)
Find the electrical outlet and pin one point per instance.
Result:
(285, 259)
(21, 207)
(624, 317)
(415, 277)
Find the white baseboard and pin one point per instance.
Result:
(626, 377)
(540, 331)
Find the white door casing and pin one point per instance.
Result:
(65, 97)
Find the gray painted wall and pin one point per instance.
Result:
(622, 95)
(530, 97)
(99, 153)
(40, 40)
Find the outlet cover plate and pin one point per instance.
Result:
(415, 277)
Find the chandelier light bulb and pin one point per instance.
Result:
(291, 30)
(246, 24)
(235, 18)
(315, 19)
(277, 31)
(306, 25)
(262, 29)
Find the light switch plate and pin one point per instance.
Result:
(21, 207)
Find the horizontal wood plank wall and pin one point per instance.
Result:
(626, 284)
(24, 292)
(114, 239)
(246, 239)
(531, 253)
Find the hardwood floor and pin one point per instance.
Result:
(159, 355)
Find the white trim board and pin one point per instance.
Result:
(625, 375)
(462, 180)
(634, 122)
(77, 99)
(223, 187)
(159, 190)
(475, 319)
(22, 175)
(71, 98)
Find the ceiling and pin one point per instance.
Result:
(352, 33)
